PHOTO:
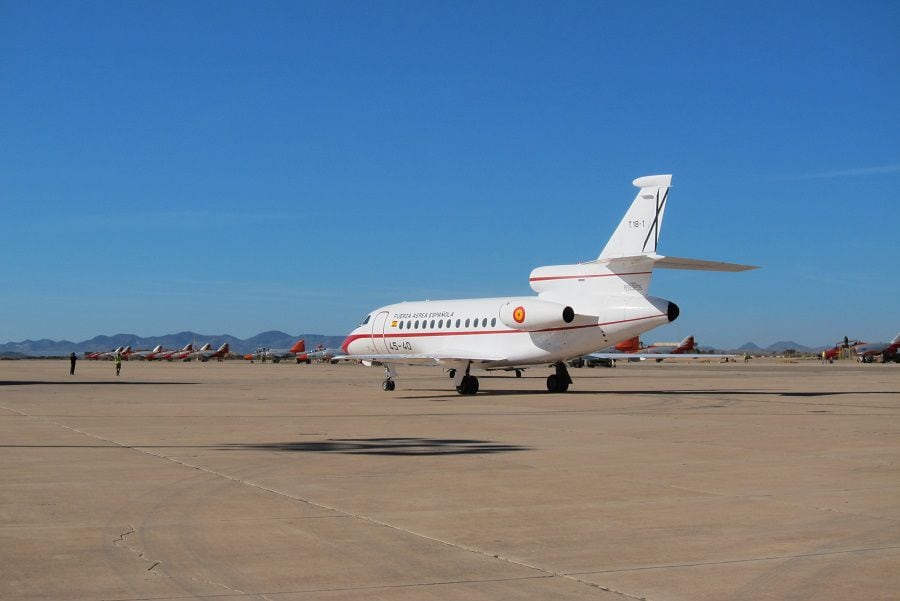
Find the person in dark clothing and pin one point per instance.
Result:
(72, 360)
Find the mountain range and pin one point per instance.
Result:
(270, 339)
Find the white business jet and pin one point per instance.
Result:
(579, 308)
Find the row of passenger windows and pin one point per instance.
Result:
(441, 324)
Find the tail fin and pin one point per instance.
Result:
(629, 346)
(206, 347)
(687, 344)
(638, 232)
(188, 347)
(299, 346)
(896, 339)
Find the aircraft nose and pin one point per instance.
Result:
(345, 345)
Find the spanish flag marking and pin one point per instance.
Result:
(519, 314)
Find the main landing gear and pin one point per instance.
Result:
(559, 382)
(468, 384)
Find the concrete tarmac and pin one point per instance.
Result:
(231, 481)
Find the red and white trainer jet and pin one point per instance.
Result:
(578, 308)
(206, 353)
(867, 351)
(148, 355)
(175, 355)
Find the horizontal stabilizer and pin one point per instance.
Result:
(697, 264)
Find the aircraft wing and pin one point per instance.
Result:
(656, 356)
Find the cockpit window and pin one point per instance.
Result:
(366, 320)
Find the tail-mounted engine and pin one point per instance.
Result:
(527, 314)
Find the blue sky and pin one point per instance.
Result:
(239, 167)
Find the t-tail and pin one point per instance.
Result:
(626, 263)
(638, 232)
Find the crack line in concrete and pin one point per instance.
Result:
(373, 587)
(666, 566)
(120, 542)
(363, 518)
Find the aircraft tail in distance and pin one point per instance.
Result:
(686, 345)
(629, 346)
(299, 346)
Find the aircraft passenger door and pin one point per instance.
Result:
(378, 333)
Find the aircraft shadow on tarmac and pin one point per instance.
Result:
(386, 446)
(444, 395)
(89, 383)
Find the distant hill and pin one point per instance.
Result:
(271, 339)
(783, 345)
(780, 347)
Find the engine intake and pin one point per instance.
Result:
(535, 314)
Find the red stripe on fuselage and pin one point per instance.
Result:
(586, 276)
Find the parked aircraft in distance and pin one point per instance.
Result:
(618, 351)
(329, 355)
(276, 355)
(658, 352)
(579, 308)
(305, 357)
(867, 351)
(174, 355)
(146, 354)
(684, 346)
(107, 354)
(206, 353)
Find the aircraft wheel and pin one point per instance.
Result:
(387, 385)
(452, 373)
(556, 384)
(468, 386)
(518, 373)
(308, 361)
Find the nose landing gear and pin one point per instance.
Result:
(389, 374)
(468, 384)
